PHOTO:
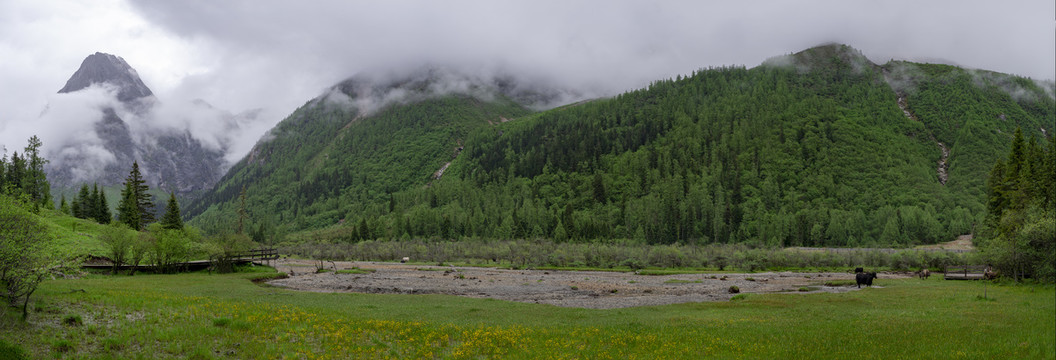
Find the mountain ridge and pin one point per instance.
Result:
(812, 148)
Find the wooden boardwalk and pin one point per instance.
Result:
(252, 256)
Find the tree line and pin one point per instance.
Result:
(1021, 210)
(23, 175)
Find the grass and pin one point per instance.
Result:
(356, 271)
(226, 316)
(680, 281)
(841, 283)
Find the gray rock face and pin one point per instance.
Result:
(171, 160)
(101, 68)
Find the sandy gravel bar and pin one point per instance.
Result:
(585, 289)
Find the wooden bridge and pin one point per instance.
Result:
(967, 272)
(251, 256)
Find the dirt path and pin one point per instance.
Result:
(586, 289)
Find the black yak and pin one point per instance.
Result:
(858, 270)
(865, 278)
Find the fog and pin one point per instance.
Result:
(268, 57)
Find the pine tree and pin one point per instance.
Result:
(63, 206)
(136, 208)
(93, 202)
(82, 204)
(242, 215)
(102, 209)
(1015, 169)
(16, 170)
(128, 210)
(3, 169)
(35, 181)
(171, 219)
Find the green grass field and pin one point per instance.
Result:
(201, 316)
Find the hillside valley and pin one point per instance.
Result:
(817, 148)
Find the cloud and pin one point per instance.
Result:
(276, 55)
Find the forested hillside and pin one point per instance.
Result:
(330, 157)
(807, 149)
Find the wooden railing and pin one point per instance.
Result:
(258, 254)
(966, 272)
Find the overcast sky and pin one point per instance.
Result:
(275, 55)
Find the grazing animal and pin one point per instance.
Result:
(858, 270)
(989, 273)
(405, 259)
(864, 278)
(924, 274)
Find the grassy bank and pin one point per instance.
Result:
(226, 316)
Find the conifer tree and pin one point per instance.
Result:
(16, 170)
(35, 182)
(242, 215)
(102, 209)
(171, 219)
(136, 208)
(128, 210)
(82, 203)
(93, 202)
(63, 206)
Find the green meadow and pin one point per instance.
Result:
(203, 316)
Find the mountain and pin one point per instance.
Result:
(105, 68)
(364, 139)
(817, 148)
(171, 159)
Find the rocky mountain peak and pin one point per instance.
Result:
(106, 68)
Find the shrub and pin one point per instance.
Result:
(223, 249)
(120, 241)
(24, 261)
(734, 289)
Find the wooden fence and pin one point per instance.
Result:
(966, 272)
(263, 254)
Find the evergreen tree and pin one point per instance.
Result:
(82, 203)
(136, 208)
(16, 170)
(128, 210)
(171, 219)
(93, 202)
(3, 171)
(242, 215)
(35, 182)
(102, 209)
(63, 206)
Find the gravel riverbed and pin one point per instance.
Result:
(585, 289)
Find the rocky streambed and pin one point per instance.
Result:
(585, 289)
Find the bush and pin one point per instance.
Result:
(166, 248)
(734, 289)
(121, 244)
(24, 263)
(223, 249)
